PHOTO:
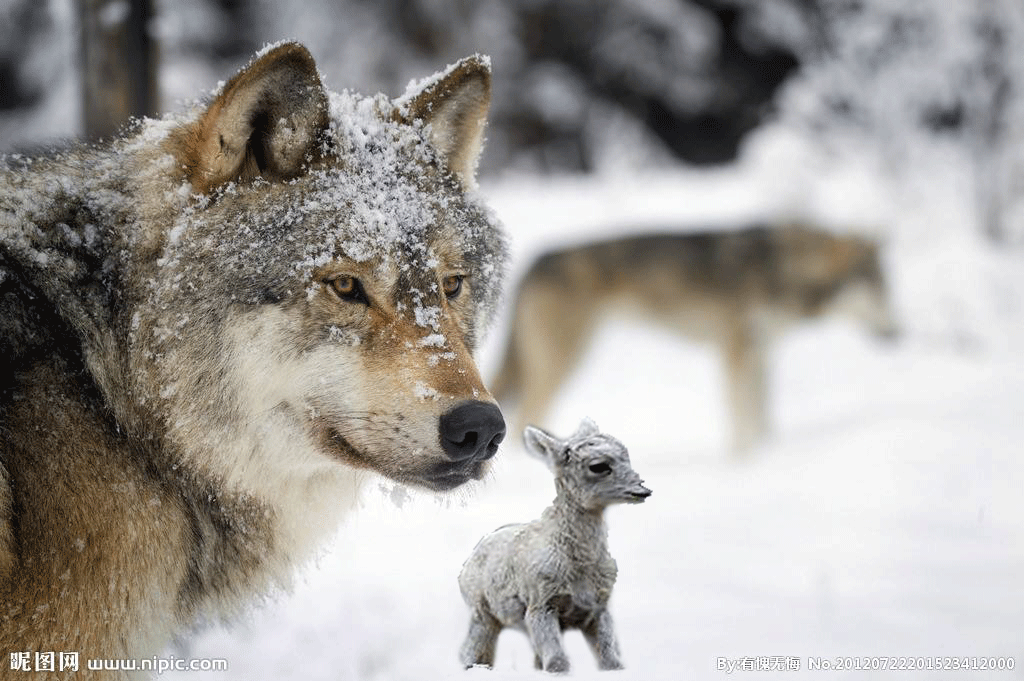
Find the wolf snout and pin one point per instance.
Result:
(472, 431)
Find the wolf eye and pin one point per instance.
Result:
(600, 468)
(348, 288)
(452, 285)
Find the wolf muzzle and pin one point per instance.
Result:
(471, 431)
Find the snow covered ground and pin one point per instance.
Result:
(885, 518)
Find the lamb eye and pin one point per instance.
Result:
(348, 288)
(452, 285)
(600, 468)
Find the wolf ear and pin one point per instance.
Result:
(542, 445)
(454, 104)
(264, 123)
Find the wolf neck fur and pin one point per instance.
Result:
(302, 503)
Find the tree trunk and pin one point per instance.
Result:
(119, 60)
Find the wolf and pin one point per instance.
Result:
(215, 326)
(738, 290)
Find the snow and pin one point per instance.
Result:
(424, 392)
(417, 85)
(434, 340)
(380, 200)
(884, 518)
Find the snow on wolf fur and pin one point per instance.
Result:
(213, 324)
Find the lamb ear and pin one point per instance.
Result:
(264, 123)
(586, 428)
(541, 444)
(455, 105)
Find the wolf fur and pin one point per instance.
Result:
(737, 290)
(213, 326)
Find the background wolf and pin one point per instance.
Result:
(734, 289)
(210, 326)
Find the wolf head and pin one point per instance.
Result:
(839, 275)
(318, 296)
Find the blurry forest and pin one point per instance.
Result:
(596, 85)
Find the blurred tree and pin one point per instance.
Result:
(18, 25)
(119, 64)
(695, 74)
(905, 79)
(38, 53)
(583, 82)
(681, 79)
(586, 84)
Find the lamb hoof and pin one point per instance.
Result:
(557, 665)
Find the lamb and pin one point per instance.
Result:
(554, 573)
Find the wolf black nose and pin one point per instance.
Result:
(472, 430)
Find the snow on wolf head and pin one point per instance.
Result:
(324, 279)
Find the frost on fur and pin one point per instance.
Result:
(554, 573)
